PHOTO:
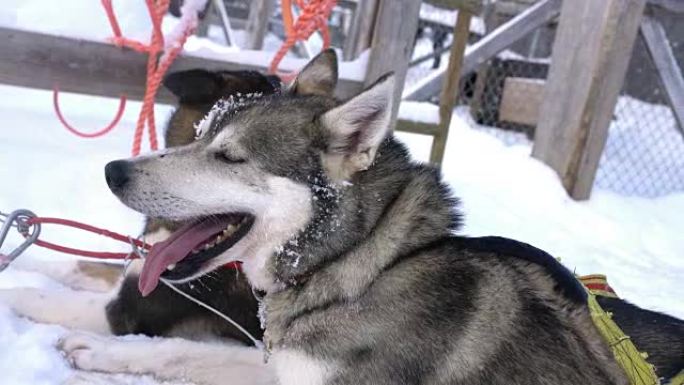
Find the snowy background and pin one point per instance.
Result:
(637, 242)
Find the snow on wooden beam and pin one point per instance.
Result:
(471, 6)
(36, 60)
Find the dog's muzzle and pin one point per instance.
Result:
(117, 174)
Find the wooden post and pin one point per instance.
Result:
(590, 56)
(361, 30)
(205, 23)
(487, 47)
(666, 64)
(220, 7)
(257, 23)
(396, 24)
(449, 96)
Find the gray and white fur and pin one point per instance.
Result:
(353, 243)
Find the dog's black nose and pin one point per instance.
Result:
(117, 174)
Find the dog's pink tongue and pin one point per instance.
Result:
(173, 250)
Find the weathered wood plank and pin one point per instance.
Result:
(490, 45)
(670, 74)
(449, 96)
(590, 55)
(35, 60)
(396, 24)
(257, 23)
(472, 6)
(361, 31)
(220, 8)
(520, 100)
(414, 127)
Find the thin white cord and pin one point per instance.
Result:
(256, 342)
(259, 345)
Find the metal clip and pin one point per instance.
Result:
(19, 217)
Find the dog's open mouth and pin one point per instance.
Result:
(190, 247)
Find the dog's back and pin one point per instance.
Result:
(420, 306)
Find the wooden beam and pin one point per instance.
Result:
(361, 31)
(205, 23)
(666, 64)
(520, 100)
(36, 60)
(396, 24)
(257, 23)
(593, 46)
(490, 45)
(449, 96)
(414, 127)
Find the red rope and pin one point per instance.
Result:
(89, 228)
(158, 62)
(103, 131)
(98, 231)
(313, 17)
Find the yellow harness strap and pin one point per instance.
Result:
(678, 379)
(633, 362)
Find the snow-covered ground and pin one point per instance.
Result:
(636, 241)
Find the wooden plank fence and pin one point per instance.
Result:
(591, 53)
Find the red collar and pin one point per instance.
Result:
(232, 266)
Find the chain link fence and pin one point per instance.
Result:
(644, 153)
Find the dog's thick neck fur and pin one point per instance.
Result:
(346, 213)
(354, 237)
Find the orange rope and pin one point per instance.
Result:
(159, 60)
(314, 17)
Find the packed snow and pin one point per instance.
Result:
(504, 192)
(637, 242)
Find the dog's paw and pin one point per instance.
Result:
(89, 352)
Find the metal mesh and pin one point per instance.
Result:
(644, 153)
(499, 108)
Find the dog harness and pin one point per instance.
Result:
(582, 291)
(633, 362)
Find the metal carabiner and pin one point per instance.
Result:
(19, 217)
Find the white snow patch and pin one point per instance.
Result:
(636, 241)
(423, 112)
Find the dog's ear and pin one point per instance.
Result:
(354, 130)
(194, 86)
(318, 77)
(246, 82)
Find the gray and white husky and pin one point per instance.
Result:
(354, 247)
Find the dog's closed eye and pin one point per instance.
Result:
(228, 158)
